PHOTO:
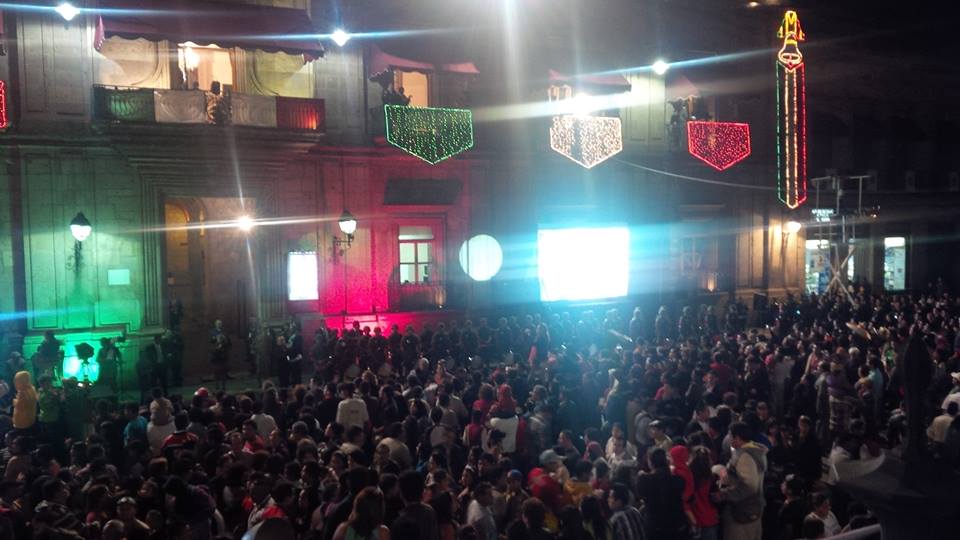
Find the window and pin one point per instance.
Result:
(416, 254)
(895, 263)
(414, 85)
(200, 66)
(817, 265)
(557, 92)
(302, 277)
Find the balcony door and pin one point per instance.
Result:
(418, 283)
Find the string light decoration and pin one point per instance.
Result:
(587, 140)
(718, 144)
(432, 134)
(3, 105)
(791, 114)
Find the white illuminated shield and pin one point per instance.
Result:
(588, 140)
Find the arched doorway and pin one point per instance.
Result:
(209, 269)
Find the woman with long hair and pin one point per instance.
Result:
(366, 520)
(705, 514)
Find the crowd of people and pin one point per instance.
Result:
(552, 427)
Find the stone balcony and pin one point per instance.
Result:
(157, 106)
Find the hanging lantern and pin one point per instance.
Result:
(718, 144)
(432, 134)
(587, 140)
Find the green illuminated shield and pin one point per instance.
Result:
(431, 134)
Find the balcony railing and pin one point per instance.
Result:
(156, 106)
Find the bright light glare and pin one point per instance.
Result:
(660, 67)
(74, 368)
(753, 4)
(67, 10)
(581, 105)
(894, 241)
(302, 276)
(481, 257)
(583, 263)
(793, 227)
(340, 37)
(245, 223)
(190, 58)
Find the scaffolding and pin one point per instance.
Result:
(838, 228)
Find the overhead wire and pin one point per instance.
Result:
(694, 178)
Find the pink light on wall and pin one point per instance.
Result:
(718, 144)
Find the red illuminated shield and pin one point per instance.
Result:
(719, 144)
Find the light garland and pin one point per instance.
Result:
(587, 140)
(718, 144)
(431, 134)
(791, 114)
(3, 105)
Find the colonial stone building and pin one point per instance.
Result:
(173, 132)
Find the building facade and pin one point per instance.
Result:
(169, 133)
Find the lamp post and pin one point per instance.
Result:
(348, 226)
(80, 228)
(788, 229)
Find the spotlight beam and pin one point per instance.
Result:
(235, 223)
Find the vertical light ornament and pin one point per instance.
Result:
(3, 105)
(791, 114)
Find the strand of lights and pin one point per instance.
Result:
(432, 134)
(587, 140)
(4, 122)
(718, 144)
(791, 114)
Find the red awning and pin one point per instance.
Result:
(463, 67)
(203, 22)
(381, 61)
(680, 87)
(610, 82)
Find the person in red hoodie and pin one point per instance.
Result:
(698, 476)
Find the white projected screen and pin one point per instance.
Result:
(302, 276)
(583, 263)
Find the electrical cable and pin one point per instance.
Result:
(694, 178)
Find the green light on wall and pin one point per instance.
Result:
(82, 366)
(74, 368)
(432, 134)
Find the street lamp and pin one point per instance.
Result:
(67, 10)
(80, 228)
(340, 37)
(348, 226)
(245, 223)
(660, 66)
